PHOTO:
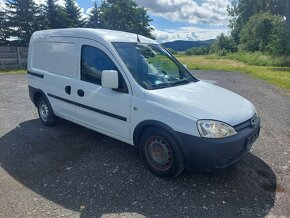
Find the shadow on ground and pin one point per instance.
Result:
(96, 175)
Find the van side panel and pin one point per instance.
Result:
(55, 59)
(55, 56)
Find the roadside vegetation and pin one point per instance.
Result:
(255, 59)
(258, 44)
(275, 75)
(15, 71)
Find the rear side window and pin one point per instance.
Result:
(93, 62)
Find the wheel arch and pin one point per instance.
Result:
(35, 94)
(141, 127)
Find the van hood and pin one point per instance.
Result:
(202, 100)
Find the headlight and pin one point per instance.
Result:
(214, 129)
(256, 113)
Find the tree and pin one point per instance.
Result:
(21, 20)
(223, 44)
(94, 17)
(2, 27)
(73, 14)
(279, 38)
(266, 33)
(198, 51)
(41, 22)
(242, 10)
(288, 17)
(125, 15)
(54, 15)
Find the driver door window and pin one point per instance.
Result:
(93, 62)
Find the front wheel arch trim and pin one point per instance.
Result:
(153, 123)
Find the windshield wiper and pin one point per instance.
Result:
(166, 85)
(180, 82)
(160, 86)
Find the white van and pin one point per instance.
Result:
(131, 88)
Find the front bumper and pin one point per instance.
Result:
(202, 154)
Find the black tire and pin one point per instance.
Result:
(161, 153)
(49, 119)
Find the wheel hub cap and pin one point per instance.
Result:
(43, 111)
(159, 153)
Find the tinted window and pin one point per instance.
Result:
(93, 62)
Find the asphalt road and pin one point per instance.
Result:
(70, 171)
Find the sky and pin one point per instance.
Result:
(183, 19)
(178, 19)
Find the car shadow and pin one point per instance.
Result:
(96, 175)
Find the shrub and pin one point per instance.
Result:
(223, 44)
(265, 32)
(197, 51)
(278, 39)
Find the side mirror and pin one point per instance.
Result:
(110, 79)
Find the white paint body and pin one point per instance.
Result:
(56, 54)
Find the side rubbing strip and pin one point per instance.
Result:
(89, 108)
(35, 74)
(101, 112)
(61, 99)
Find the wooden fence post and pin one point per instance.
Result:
(18, 57)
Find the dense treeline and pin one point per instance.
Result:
(23, 17)
(198, 50)
(256, 26)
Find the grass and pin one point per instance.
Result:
(15, 71)
(255, 59)
(279, 76)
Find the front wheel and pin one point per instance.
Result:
(161, 153)
(45, 112)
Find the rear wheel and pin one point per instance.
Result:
(45, 112)
(161, 153)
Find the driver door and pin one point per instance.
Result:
(103, 109)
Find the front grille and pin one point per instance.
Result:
(246, 124)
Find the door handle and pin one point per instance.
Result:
(68, 90)
(81, 93)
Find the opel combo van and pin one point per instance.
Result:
(131, 88)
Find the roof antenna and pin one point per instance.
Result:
(138, 39)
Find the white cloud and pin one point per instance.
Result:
(188, 33)
(212, 12)
(89, 10)
(2, 5)
(59, 2)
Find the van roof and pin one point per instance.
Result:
(109, 35)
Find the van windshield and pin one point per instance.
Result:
(152, 66)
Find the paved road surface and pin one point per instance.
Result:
(70, 171)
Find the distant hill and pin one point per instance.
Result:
(180, 45)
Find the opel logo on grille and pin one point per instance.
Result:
(253, 124)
